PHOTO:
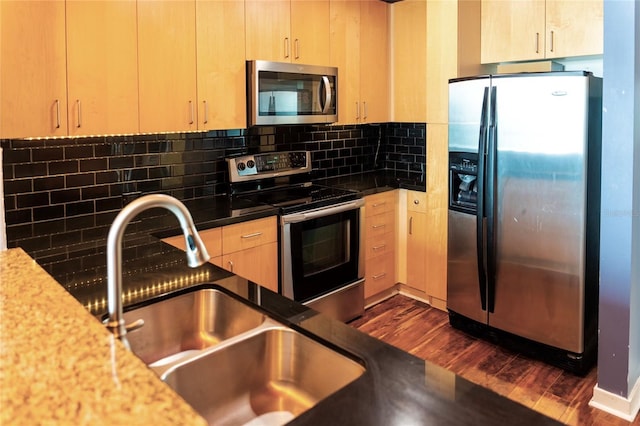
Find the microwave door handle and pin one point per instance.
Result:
(327, 94)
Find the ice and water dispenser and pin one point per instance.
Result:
(463, 185)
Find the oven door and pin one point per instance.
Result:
(321, 250)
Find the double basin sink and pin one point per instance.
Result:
(234, 364)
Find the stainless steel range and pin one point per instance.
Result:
(321, 260)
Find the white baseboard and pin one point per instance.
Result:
(625, 408)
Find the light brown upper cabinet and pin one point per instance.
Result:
(288, 31)
(515, 30)
(221, 64)
(102, 67)
(33, 86)
(167, 65)
(410, 61)
(360, 50)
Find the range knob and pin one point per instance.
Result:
(251, 164)
(241, 166)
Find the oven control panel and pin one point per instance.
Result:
(271, 164)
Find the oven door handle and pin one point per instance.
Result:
(322, 212)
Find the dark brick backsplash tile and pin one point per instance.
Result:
(121, 162)
(106, 177)
(49, 212)
(78, 151)
(9, 203)
(79, 208)
(27, 170)
(17, 186)
(18, 233)
(49, 227)
(65, 196)
(63, 167)
(48, 183)
(43, 178)
(17, 156)
(80, 221)
(82, 179)
(47, 154)
(93, 164)
(33, 199)
(113, 203)
(102, 150)
(19, 216)
(95, 191)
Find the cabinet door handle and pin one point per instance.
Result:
(377, 277)
(57, 113)
(286, 47)
(411, 225)
(296, 49)
(79, 106)
(357, 111)
(206, 112)
(551, 42)
(537, 42)
(190, 112)
(364, 107)
(230, 263)
(255, 234)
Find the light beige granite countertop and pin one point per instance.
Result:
(59, 365)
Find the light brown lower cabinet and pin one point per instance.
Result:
(248, 249)
(379, 237)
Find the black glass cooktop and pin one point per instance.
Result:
(295, 198)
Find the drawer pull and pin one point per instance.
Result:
(379, 204)
(379, 247)
(230, 263)
(255, 234)
(382, 225)
(377, 277)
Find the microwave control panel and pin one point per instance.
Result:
(272, 164)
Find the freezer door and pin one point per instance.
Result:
(540, 208)
(465, 110)
(463, 279)
(463, 288)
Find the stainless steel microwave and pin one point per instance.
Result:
(285, 93)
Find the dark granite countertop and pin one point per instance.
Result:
(397, 388)
(378, 181)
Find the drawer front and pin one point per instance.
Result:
(380, 203)
(379, 224)
(417, 201)
(212, 239)
(380, 274)
(379, 244)
(241, 236)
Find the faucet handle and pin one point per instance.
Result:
(134, 325)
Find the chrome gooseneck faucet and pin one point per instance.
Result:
(196, 253)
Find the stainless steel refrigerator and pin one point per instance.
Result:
(524, 212)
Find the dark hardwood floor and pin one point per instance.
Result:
(425, 332)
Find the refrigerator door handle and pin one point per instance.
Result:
(480, 243)
(490, 205)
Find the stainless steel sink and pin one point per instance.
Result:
(274, 374)
(185, 324)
